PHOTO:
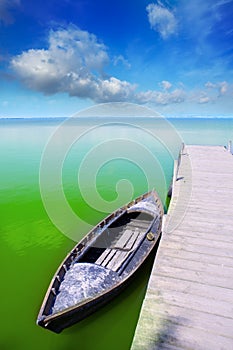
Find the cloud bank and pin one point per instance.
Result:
(75, 62)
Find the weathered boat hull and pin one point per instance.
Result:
(59, 320)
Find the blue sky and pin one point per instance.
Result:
(58, 57)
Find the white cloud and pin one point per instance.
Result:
(204, 99)
(6, 6)
(161, 20)
(166, 85)
(223, 88)
(113, 89)
(72, 58)
(161, 98)
(210, 85)
(212, 93)
(74, 63)
(121, 60)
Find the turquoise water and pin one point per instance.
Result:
(107, 165)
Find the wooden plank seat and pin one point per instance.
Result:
(143, 226)
(113, 258)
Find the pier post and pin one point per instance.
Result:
(177, 164)
(230, 147)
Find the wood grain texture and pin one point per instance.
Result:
(189, 300)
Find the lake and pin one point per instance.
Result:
(58, 179)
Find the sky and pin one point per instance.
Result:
(59, 57)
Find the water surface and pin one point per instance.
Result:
(32, 246)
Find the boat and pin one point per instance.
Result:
(102, 263)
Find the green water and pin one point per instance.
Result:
(32, 246)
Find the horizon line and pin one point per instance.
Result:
(121, 117)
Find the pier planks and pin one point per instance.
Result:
(189, 300)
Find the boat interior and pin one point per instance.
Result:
(108, 254)
(118, 241)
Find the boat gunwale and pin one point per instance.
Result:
(42, 319)
(71, 309)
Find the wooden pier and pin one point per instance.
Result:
(189, 301)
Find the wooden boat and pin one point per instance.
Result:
(102, 263)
